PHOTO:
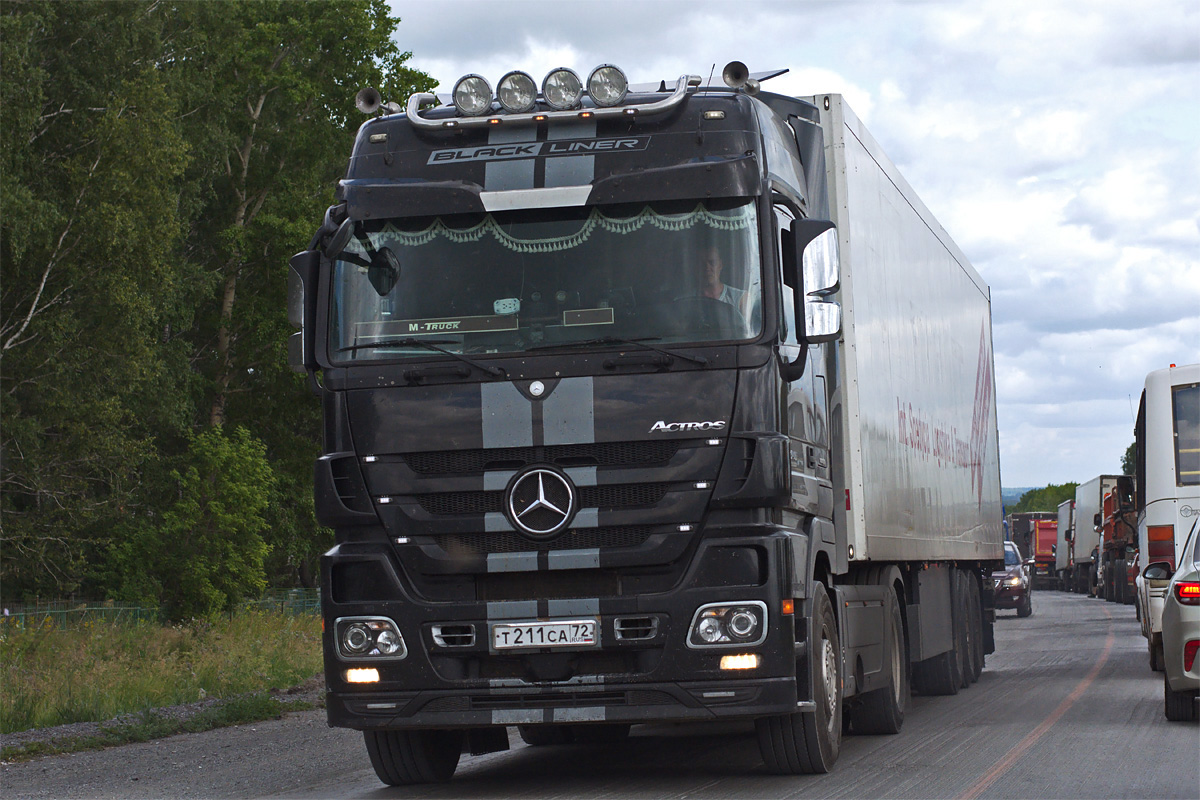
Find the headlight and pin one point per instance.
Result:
(607, 85)
(372, 638)
(728, 624)
(1015, 580)
(516, 92)
(562, 89)
(472, 95)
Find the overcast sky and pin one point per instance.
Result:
(1057, 141)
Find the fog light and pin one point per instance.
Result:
(472, 95)
(360, 675)
(607, 85)
(740, 661)
(516, 92)
(562, 89)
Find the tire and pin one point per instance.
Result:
(1157, 661)
(882, 711)
(1026, 608)
(1178, 706)
(809, 743)
(976, 628)
(545, 735)
(402, 758)
(607, 733)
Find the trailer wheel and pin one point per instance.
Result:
(1178, 706)
(806, 743)
(975, 626)
(401, 758)
(882, 710)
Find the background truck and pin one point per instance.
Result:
(1035, 533)
(1118, 542)
(660, 403)
(1166, 484)
(1064, 550)
(1085, 552)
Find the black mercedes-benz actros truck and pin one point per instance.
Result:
(658, 403)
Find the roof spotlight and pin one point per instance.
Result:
(517, 92)
(561, 89)
(472, 95)
(607, 85)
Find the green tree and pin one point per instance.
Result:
(1129, 459)
(206, 552)
(92, 156)
(1046, 499)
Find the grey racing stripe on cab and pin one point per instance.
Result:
(500, 176)
(518, 716)
(581, 476)
(587, 518)
(588, 558)
(595, 714)
(512, 609)
(571, 170)
(495, 522)
(512, 562)
(569, 413)
(496, 480)
(507, 416)
(580, 606)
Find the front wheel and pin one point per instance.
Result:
(401, 758)
(807, 743)
(1026, 608)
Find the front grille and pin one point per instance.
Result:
(624, 495)
(599, 454)
(509, 542)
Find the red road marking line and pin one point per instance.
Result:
(1037, 733)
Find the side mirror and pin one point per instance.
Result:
(302, 304)
(816, 250)
(1158, 571)
(1097, 522)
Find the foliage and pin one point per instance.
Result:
(94, 672)
(206, 553)
(1047, 499)
(1129, 459)
(159, 163)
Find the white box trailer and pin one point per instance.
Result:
(1089, 501)
(1062, 555)
(919, 461)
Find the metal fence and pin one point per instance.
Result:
(68, 614)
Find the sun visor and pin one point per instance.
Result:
(380, 199)
(715, 176)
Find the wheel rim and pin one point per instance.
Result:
(829, 678)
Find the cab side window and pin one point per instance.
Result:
(787, 292)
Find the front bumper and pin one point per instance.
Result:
(651, 676)
(1009, 596)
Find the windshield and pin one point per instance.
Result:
(1011, 556)
(508, 282)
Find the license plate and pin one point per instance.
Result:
(535, 635)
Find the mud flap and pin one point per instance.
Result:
(859, 611)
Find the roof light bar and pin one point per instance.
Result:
(682, 87)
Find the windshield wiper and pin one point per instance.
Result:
(428, 344)
(616, 340)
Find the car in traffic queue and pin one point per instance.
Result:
(1181, 631)
(1013, 587)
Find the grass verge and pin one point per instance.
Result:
(55, 675)
(151, 724)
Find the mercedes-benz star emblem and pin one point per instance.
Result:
(541, 502)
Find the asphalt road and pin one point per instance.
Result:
(1066, 708)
